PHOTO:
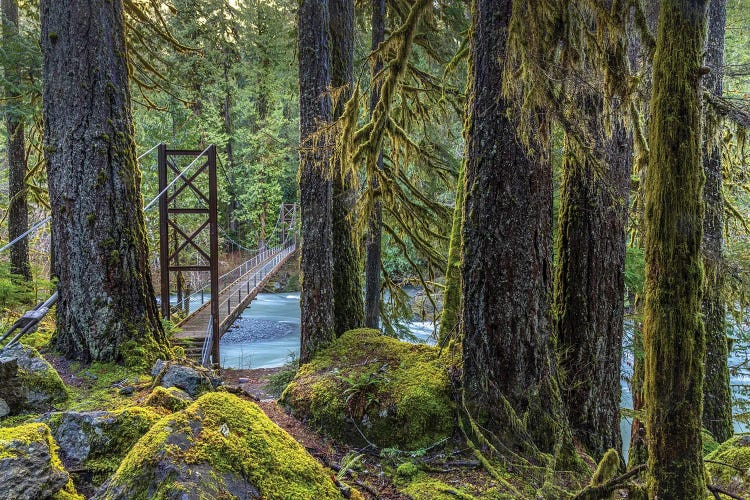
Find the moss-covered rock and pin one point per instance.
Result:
(219, 447)
(396, 394)
(98, 440)
(29, 382)
(193, 379)
(732, 472)
(30, 466)
(171, 398)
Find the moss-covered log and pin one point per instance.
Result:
(674, 338)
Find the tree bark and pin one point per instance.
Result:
(717, 395)
(507, 250)
(106, 310)
(317, 321)
(18, 211)
(374, 235)
(590, 283)
(347, 284)
(674, 339)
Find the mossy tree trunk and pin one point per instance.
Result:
(317, 320)
(106, 310)
(348, 307)
(717, 395)
(674, 340)
(18, 211)
(449, 319)
(590, 282)
(375, 223)
(508, 368)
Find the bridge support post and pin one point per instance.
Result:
(168, 221)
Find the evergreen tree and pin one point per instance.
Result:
(106, 309)
(508, 366)
(717, 395)
(18, 212)
(347, 285)
(589, 286)
(674, 339)
(373, 258)
(317, 321)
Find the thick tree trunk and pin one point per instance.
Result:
(590, 282)
(106, 309)
(508, 369)
(674, 339)
(347, 284)
(18, 212)
(374, 235)
(717, 395)
(317, 322)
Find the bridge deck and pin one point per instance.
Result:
(233, 298)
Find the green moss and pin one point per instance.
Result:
(395, 393)
(11, 437)
(232, 438)
(102, 390)
(731, 471)
(709, 443)
(419, 486)
(172, 398)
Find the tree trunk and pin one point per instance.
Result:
(317, 322)
(508, 370)
(375, 223)
(449, 318)
(674, 339)
(590, 282)
(347, 284)
(717, 395)
(18, 211)
(106, 309)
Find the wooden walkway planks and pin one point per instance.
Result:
(233, 298)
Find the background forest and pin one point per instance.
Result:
(226, 72)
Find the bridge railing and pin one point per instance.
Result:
(277, 259)
(227, 278)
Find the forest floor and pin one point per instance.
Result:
(366, 469)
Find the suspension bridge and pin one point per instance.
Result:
(189, 232)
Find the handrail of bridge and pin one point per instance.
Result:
(223, 279)
(206, 350)
(277, 259)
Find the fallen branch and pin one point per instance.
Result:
(604, 490)
(715, 490)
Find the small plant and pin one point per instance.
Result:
(279, 380)
(362, 389)
(349, 462)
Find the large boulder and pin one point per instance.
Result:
(29, 465)
(28, 382)
(98, 440)
(367, 387)
(729, 465)
(192, 379)
(219, 447)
